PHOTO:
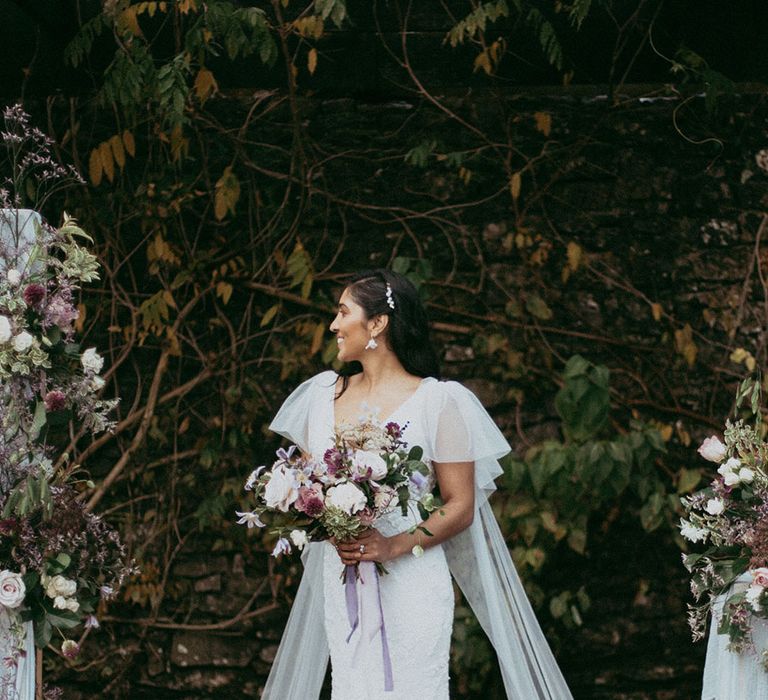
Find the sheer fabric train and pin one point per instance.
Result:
(458, 429)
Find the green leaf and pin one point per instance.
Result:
(538, 308)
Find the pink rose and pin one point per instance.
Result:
(760, 577)
(310, 500)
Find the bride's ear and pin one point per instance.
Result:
(378, 324)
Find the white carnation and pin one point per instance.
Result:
(299, 539)
(691, 532)
(92, 361)
(14, 277)
(746, 475)
(732, 465)
(5, 329)
(731, 479)
(23, 341)
(715, 506)
(346, 497)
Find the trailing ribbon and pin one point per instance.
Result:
(364, 610)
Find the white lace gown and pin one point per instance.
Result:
(417, 597)
(417, 603)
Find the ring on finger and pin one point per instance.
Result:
(362, 549)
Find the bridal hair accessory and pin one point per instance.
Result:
(371, 344)
(390, 300)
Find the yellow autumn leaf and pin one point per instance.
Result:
(227, 193)
(656, 310)
(118, 151)
(271, 312)
(515, 184)
(482, 60)
(107, 161)
(224, 290)
(317, 338)
(80, 320)
(129, 143)
(750, 363)
(543, 122)
(128, 22)
(739, 355)
(575, 254)
(95, 170)
(205, 84)
(684, 344)
(312, 61)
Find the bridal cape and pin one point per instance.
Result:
(478, 557)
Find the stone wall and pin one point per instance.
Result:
(636, 195)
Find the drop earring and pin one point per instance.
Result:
(371, 344)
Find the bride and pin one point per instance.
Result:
(400, 649)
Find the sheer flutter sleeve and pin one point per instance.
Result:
(294, 419)
(460, 430)
(299, 667)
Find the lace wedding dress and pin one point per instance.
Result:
(416, 596)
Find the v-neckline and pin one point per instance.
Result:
(391, 415)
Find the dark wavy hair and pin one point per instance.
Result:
(407, 332)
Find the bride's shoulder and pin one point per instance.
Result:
(444, 390)
(325, 378)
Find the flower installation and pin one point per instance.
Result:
(729, 579)
(57, 561)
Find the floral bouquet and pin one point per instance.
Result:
(731, 517)
(57, 561)
(368, 473)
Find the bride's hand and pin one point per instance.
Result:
(371, 545)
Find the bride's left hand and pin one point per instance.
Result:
(375, 547)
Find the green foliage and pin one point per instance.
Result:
(583, 402)
(476, 21)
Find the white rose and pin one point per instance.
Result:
(97, 383)
(364, 461)
(299, 539)
(732, 465)
(731, 479)
(92, 361)
(746, 475)
(691, 532)
(712, 449)
(12, 589)
(5, 329)
(73, 605)
(281, 490)
(22, 341)
(715, 506)
(60, 586)
(346, 497)
(60, 602)
(13, 277)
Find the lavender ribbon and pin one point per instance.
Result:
(364, 610)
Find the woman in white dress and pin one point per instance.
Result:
(402, 653)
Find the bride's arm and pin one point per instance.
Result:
(457, 490)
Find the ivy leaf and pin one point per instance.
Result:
(538, 308)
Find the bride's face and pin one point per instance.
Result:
(351, 327)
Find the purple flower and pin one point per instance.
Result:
(55, 400)
(34, 294)
(283, 546)
(286, 456)
(70, 648)
(333, 461)
(418, 480)
(91, 622)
